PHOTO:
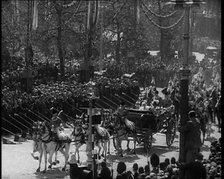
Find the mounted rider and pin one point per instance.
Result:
(122, 113)
(57, 126)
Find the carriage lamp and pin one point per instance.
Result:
(186, 5)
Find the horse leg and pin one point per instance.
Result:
(55, 160)
(50, 159)
(128, 141)
(135, 139)
(34, 150)
(119, 142)
(105, 150)
(77, 151)
(65, 152)
(45, 157)
(100, 147)
(108, 146)
(40, 159)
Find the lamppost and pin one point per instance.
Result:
(90, 143)
(184, 71)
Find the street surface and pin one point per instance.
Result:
(17, 162)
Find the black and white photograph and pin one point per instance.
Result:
(111, 89)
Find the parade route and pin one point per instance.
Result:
(17, 162)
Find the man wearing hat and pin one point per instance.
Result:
(192, 130)
(156, 99)
(166, 102)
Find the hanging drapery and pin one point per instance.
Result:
(35, 16)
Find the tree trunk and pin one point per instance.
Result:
(118, 43)
(161, 34)
(59, 42)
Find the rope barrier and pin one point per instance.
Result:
(162, 27)
(43, 116)
(105, 103)
(27, 117)
(22, 118)
(123, 99)
(19, 122)
(11, 123)
(35, 114)
(134, 94)
(110, 100)
(97, 103)
(158, 15)
(8, 131)
(129, 97)
(74, 107)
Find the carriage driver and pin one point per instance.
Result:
(122, 115)
(122, 112)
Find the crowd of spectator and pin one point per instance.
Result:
(170, 168)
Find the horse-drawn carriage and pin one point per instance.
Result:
(149, 122)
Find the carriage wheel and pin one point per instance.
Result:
(171, 132)
(148, 141)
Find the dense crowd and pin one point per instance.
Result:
(170, 168)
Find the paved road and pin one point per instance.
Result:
(17, 162)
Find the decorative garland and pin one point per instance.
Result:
(162, 27)
(158, 15)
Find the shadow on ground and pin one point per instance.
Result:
(53, 173)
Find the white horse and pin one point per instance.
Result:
(78, 136)
(124, 129)
(102, 140)
(37, 144)
(51, 145)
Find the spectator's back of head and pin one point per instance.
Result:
(173, 160)
(154, 160)
(147, 169)
(167, 161)
(135, 167)
(121, 167)
(141, 170)
(162, 166)
(103, 164)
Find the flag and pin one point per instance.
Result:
(35, 15)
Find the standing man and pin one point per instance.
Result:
(166, 102)
(192, 130)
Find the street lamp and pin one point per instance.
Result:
(90, 143)
(184, 71)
